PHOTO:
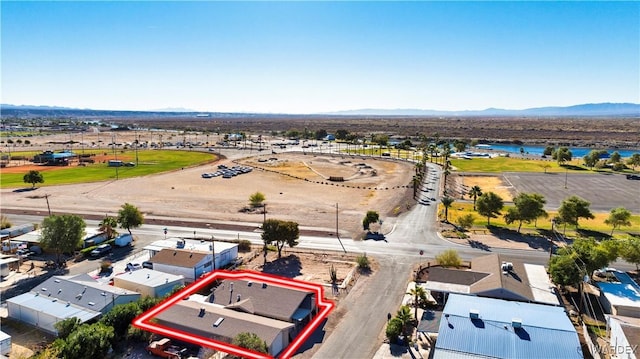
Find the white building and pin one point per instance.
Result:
(5, 343)
(148, 282)
(225, 252)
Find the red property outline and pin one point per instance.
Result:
(325, 306)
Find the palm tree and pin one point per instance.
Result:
(475, 192)
(404, 315)
(419, 297)
(109, 225)
(432, 149)
(446, 202)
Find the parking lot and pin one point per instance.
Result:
(604, 191)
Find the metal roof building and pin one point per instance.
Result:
(622, 297)
(476, 327)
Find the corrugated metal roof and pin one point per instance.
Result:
(546, 331)
(53, 306)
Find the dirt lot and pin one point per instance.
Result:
(296, 186)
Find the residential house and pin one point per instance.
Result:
(276, 314)
(225, 253)
(62, 297)
(148, 282)
(492, 276)
(476, 327)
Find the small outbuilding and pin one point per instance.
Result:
(5, 343)
(148, 282)
(621, 297)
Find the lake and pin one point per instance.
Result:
(576, 152)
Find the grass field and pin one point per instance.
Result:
(595, 226)
(510, 164)
(149, 162)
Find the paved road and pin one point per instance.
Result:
(356, 336)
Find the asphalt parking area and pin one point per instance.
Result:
(604, 191)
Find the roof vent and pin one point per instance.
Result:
(249, 283)
(239, 297)
(43, 289)
(264, 285)
(103, 294)
(506, 266)
(68, 304)
(218, 322)
(516, 323)
(202, 312)
(57, 280)
(59, 290)
(79, 296)
(92, 303)
(231, 287)
(474, 314)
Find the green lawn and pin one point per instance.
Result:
(510, 164)
(585, 225)
(150, 162)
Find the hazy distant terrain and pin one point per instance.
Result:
(606, 124)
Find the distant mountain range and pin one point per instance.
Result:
(584, 110)
(591, 109)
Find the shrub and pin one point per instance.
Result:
(363, 262)
(4, 222)
(449, 258)
(465, 222)
(333, 273)
(244, 245)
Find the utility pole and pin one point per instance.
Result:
(115, 155)
(213, 251)
(337, 232)
(264, 212)
(46, 197)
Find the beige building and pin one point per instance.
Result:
(148, 282)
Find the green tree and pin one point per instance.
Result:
(370, 217)
(88, 341)
(120, 317)
(256, 199)
(489, 205)
(474, 193)
(394, 329)
(562, 155)
(67, 326)
(62, 233)
(33, 177)
(528, 207)
(592, 158)
(405, 317)
(574, 208)
(618, 217)
(419, 298)
(363, 262)
(129, 216)
(634, 160)
(109, 225)
(548, 151)
(251, 341)
(564, 270)
(449, 258)
(615, 157)
(341, 134)
(281, 233)
(459, 145)
(630, 251)
(466, 221)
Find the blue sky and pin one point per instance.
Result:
(307, 57)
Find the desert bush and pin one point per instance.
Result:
(4, 222)
(363, 262)
(244, 245)
(465, 222)
(449, 258)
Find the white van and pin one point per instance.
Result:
(123, 240)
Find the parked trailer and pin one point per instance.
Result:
(17, 230)
(165, 349)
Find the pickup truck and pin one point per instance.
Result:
(165, 349)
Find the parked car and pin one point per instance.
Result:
(132, 267)
(101, 250)
(147, 265)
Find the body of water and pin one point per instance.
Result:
(576, 152)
